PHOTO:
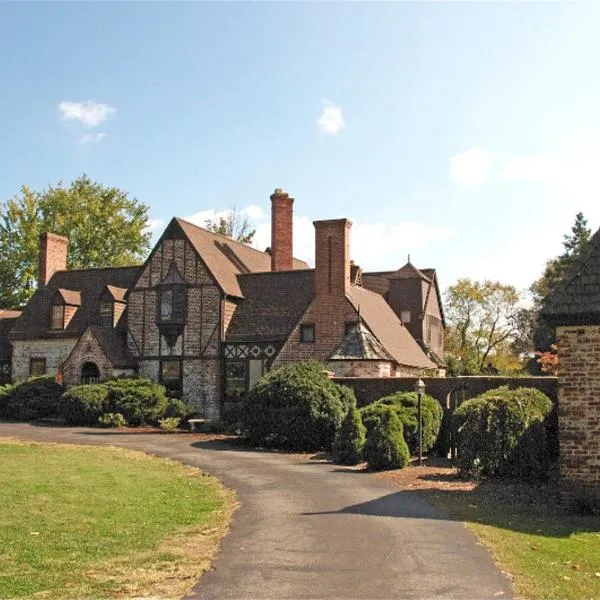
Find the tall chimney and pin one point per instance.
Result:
(332, 257)
(53, 256)
(282, 211)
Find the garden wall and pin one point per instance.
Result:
(370, 389)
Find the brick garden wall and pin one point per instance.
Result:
(369, 390)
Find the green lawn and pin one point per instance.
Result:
(86, 522)
(548, 554)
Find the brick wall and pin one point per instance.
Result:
(579, 408)
(53, 256)
(369, 390)
(281, 231)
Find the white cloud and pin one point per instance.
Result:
(90, 138)
(331, 120)
(254, 212)
(89, 113)
(471, 168)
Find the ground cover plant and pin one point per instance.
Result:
(85, 522)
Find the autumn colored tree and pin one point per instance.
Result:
(104, 225)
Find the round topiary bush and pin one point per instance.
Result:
(35, 398)
(296, 406)
(350, 439)
(404, 405)
(83, 404)
(385, 447)
(139, 400)
(502, 433)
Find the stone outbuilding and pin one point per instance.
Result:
(574, 309)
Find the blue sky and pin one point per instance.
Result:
(464, 134)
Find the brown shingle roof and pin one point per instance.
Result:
(385, 325)
(272, 305)
(90, 283)
(117, 293)
(576, 299)
(70, 297)
(227, 259)
(114, 344)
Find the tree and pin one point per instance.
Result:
(542, 336)
(234, 224)
(482, 319)
(104, 226)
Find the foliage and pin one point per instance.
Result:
(139, 400)
(405, 407)
(350, 439)
(83, 404)
(540, 335)
(296, 406)
(35, 398)
(169, 423)
(548, 360)
(111, 419)
(87, 522)
(234, 224)
(502, 433)
(482, 321)
(178, 408)
(104, 225)
(385, 447)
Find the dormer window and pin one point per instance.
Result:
(57, 318)
(107, 313)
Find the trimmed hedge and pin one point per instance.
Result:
(84, 404)
(504, 433)
(404, 404)
(35, 398)
(296, 406)
(385, 447)
(350, 439)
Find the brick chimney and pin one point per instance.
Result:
(332, 257)
(53, 256)
(282, 211)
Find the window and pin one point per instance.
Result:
(107, 313)
(172, 304)
(58, 316)
(235, 379)
(350, 327)
(37, 367)
(90, 373)
(405, 316)
(170, 377)
(307, 332)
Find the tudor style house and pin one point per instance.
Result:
(208, 316)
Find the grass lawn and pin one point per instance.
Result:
(86, 522)
(548, 554)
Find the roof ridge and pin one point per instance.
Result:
(97, 269)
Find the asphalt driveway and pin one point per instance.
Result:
(309, 529)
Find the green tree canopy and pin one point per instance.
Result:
(481, 319)
(234, 224)
(104, 225)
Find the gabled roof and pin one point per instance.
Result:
(385, 325)
(576, 299)
(70, 297)
(273, 303)
(360, 344)
(34, 322)
(409, 271)
(114, 344)
(118, 294)
(226, 259)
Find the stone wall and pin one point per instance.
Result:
(54, 351)
(369, 390)
(579, 409)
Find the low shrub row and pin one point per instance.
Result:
(117, 402)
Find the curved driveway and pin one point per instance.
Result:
(311, 530)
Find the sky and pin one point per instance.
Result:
(464, 134)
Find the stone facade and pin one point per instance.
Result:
(579, 407)
(55, 353)
(196, 346)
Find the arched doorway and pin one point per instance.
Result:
(90, 373)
